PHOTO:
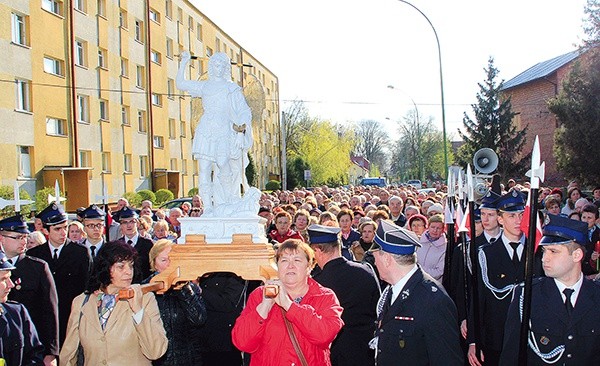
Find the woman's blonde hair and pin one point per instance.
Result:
(157, 248)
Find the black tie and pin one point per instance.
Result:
(568, 304)
(515, 256)
(93, 249)
(130, 242)
(388, 301)
(10, 261)
(55, 256)
(492, 240)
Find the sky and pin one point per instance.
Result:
(339, 56)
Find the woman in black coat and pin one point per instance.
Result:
(182, 311)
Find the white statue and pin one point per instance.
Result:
(223, 135)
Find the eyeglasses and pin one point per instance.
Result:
(20, 237)
(129, 222)
(94, 226)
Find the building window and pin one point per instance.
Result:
(169, 9)
(124, 67)
(53, 6)
(154, 16)
(139, 30)
(125, 115)
(106, 162)
(218, 44)
(155, 57)
(80, 53)
(140, 77)
(103, 110)
(156, 99)
(179, 15)
(53, 66)
(56, 127)
(83, 108)
(123, 19)
(173, 163)
(142, 122)
(85, 158)
(80, 5)
(169, 48)
(102, 8)
(191, 23)
(170, 88)
(184, 166)
(159, 142)
(182, 128)
(102, 62)
(24, 162)
(172, 131)
(209, 51)
(127, 163)
(23, 95)
(20, 29)
(199, 32)
(143, 166)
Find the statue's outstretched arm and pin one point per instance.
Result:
(189, 86)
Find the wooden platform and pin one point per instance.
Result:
(251, 261)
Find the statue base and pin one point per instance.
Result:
(220, 230)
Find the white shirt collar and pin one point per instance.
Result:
(576, 288)
(509, 249)
(398, 286)
(60, 248)
(134, 239)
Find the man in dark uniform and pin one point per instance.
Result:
(93, 224)
(417, 322)
(69, 262)
(356, 288)
(564, 318)
(34, 285)
(19, 343)
(501, 269)
(128, 219)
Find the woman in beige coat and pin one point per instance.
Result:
(112, 331)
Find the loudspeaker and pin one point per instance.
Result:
(485, 160)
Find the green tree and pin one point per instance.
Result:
(163, 195)
(147, 194)
(295, 172)
(41, 198)
(493, 128)
(251, 171)
(8, 193)
(296, 123)
(133, 198)
(577, 107)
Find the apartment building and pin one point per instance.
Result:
(88, 96)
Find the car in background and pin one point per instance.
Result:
(176, 203)
(415, 183)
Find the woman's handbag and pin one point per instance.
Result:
(293, 338)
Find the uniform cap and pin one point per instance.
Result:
(319, 234)
(15, 224)
(5, 265)
(562, 230)
(393, 239)
(93, 212)
(512, 201)
(52, 215)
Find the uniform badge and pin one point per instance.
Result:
(433, 289)
(402, 343)
(502, 275)
(544, 340)
(18, 284)
(546, 220)
(404, 295)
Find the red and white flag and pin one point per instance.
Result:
(465, 221)
(525, 223)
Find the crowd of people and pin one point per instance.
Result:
(362, 279)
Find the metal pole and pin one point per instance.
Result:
(441, 84)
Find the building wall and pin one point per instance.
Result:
(124, 34)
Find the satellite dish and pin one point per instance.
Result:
(485, 160)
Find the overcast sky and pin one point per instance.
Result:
(340, 55)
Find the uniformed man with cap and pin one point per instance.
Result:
(564, 319)
(416, 322)
(93, 224)
(357, 289)
(70, 263)
(128, 219)
(34, 284)
(19, 343)
(501, 269)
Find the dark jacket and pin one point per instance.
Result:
(142, 247)
(552, 327)
(420, 327)
(71, 272)
(357, 289)
(19, 343)
(346, 243)
(35, 289)
(181, 312)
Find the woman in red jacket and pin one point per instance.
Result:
(283, 231)
(313, 312)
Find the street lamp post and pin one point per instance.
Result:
(441, 84)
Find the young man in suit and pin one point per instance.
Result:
(34, 285)
(70, 263)
(564, 320)
(128, 219)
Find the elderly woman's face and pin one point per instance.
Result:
(282, 224)
(301, 222)
(121, 274)
(161, 262)
(293, 267)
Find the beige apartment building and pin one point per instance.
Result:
(88, 96)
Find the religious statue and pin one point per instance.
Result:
(223, 135)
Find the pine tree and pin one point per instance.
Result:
(493, 128)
